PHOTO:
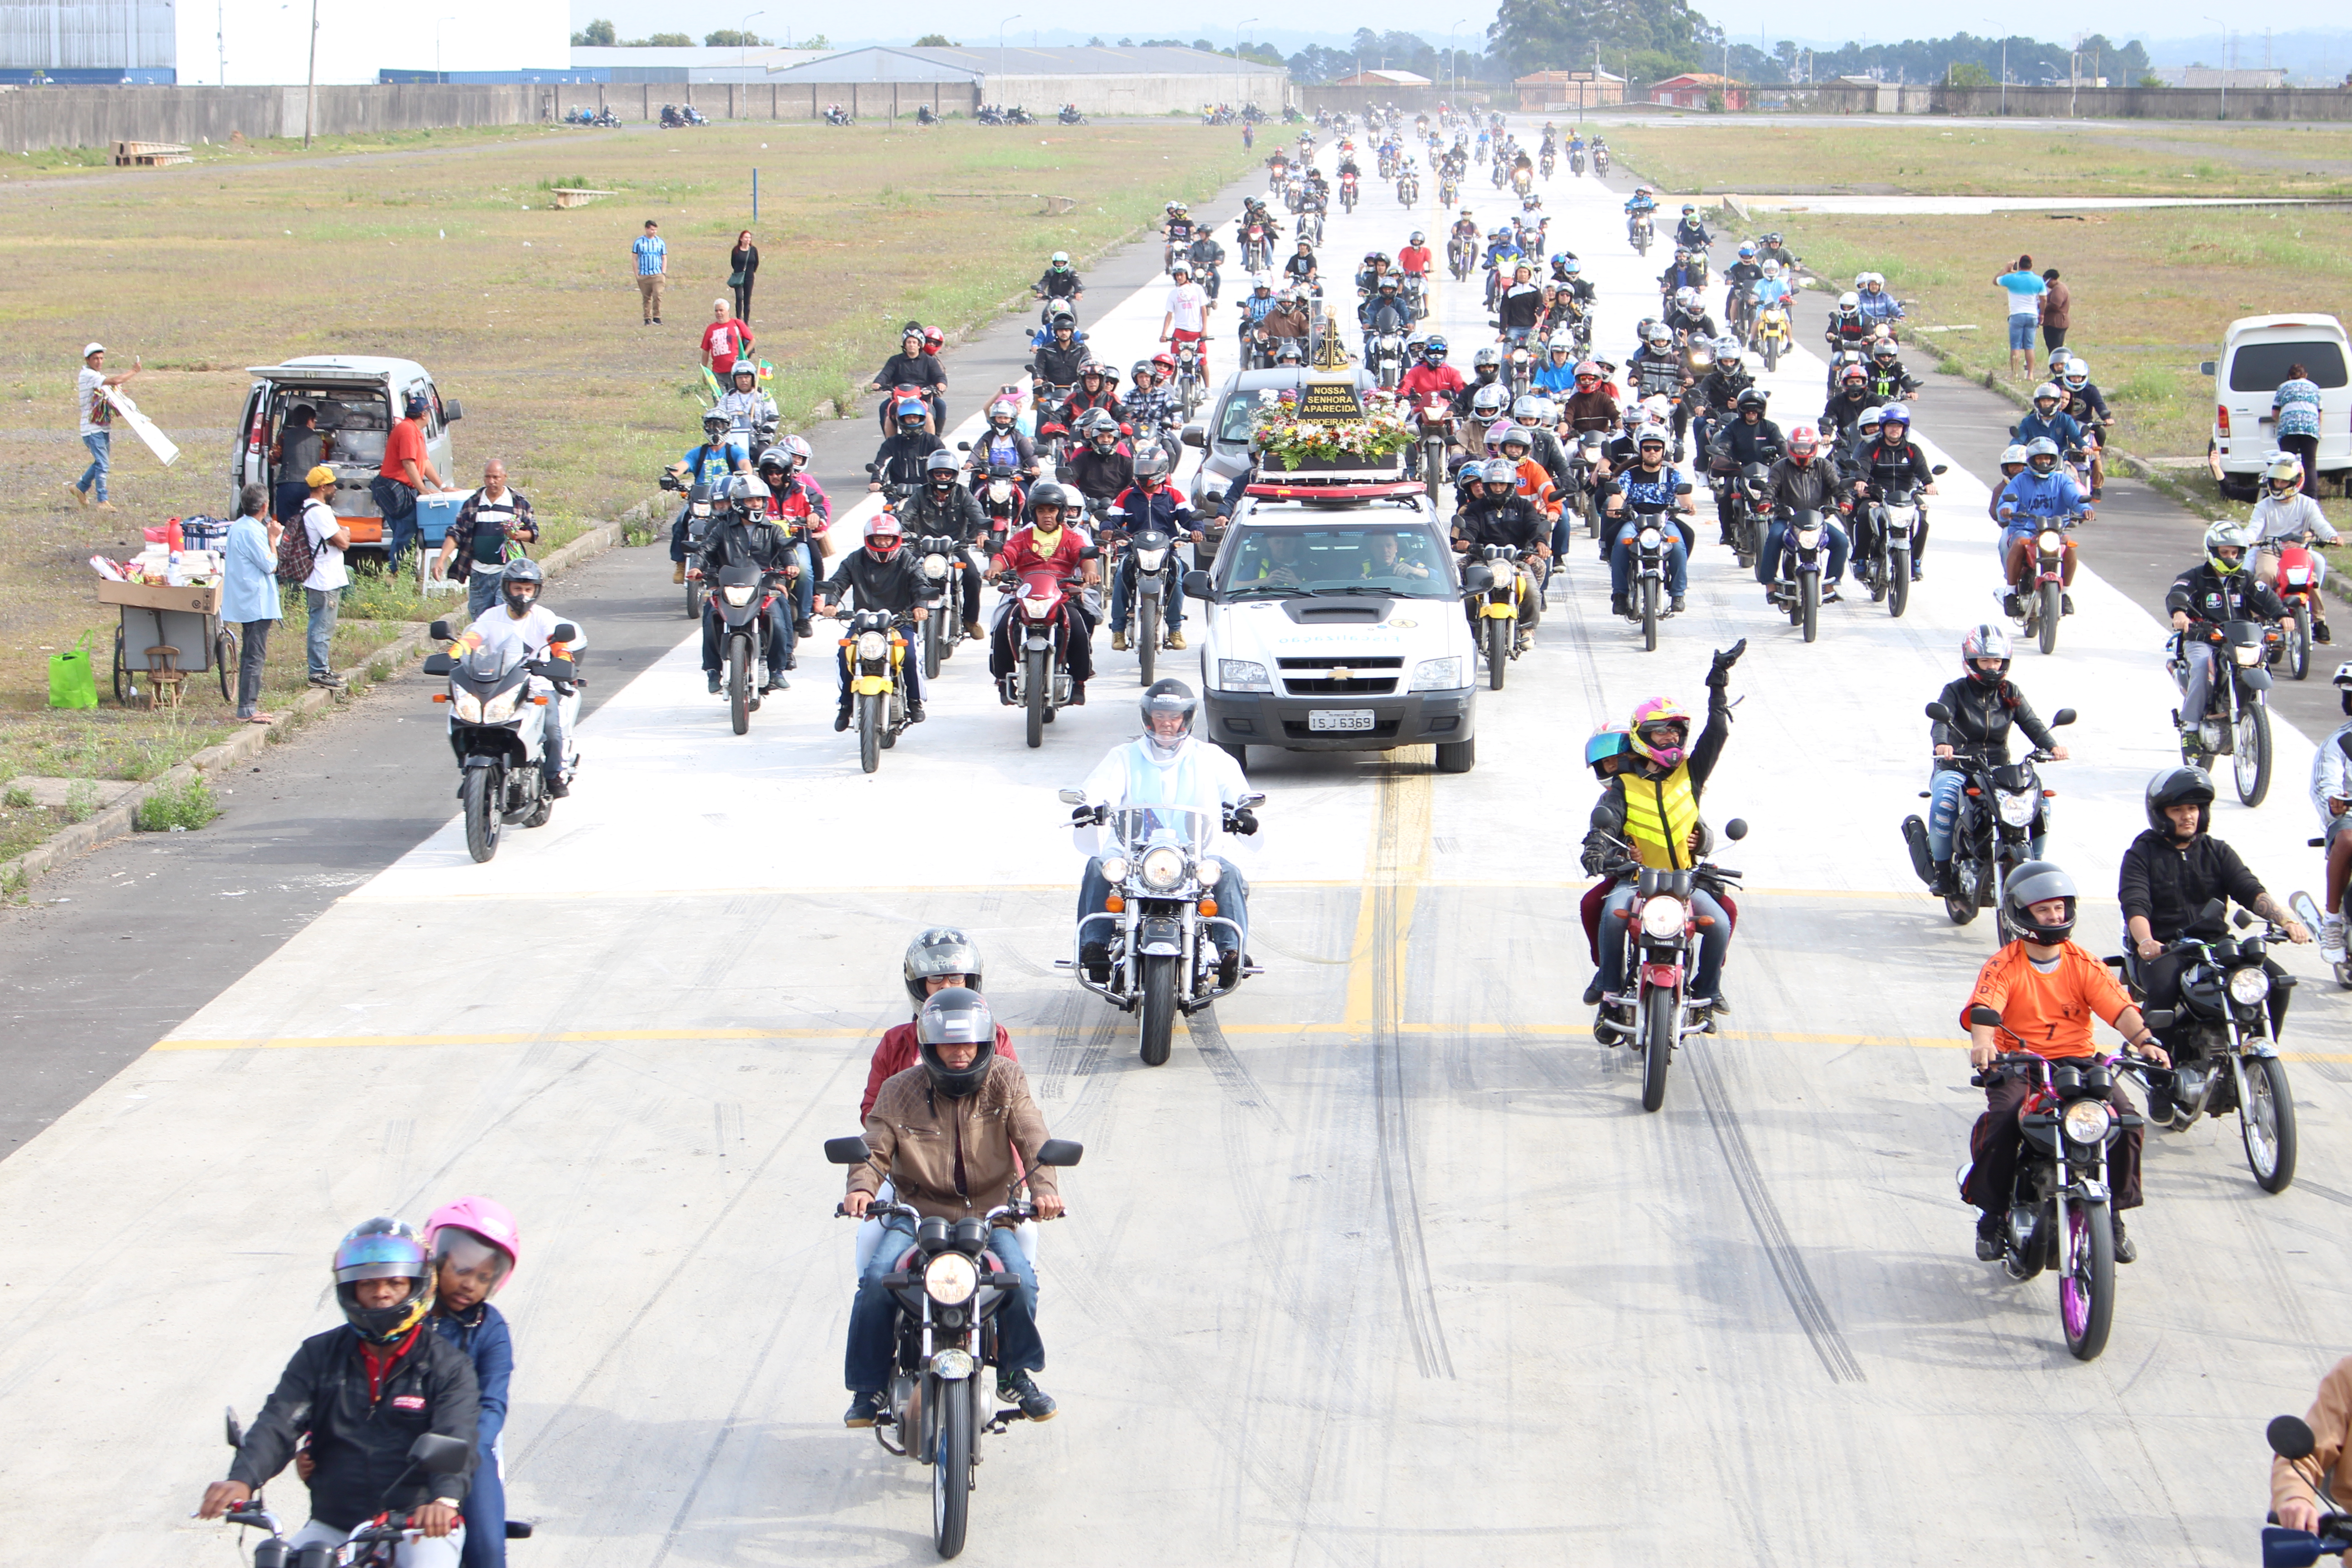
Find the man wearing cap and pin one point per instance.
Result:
(97, 415)
(322, 590)
(404, 470)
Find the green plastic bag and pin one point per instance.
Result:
(73, 682)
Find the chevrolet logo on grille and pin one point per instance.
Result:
(1339, 675)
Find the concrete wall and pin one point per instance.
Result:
(94, 116)
(2066, 103)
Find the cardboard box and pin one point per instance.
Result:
(147, 596)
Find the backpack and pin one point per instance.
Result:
(297, 556)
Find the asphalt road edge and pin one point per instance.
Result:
(121, 820)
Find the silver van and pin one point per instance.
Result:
(355, 399)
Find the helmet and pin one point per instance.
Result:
(1264, 284)
(1985, 640)
(1689, 211)
(1418, 238)
(2344, 684)
(472, 1232)
(1853, 375)
(1162, 699)
(1488, 401)
(1869, 418)
(1849, 300)
(1140, 369)
(2180, 786)
(1660, 711)
(1150, 464)
(1884, 350)
(1685, 297)
(1045, 492)
(1894, 414)
(1655, 410)
(1499, 471)
(2012, 453)
(1650, 435)
(940, 465)
(955, 1017)
(744, 367)
(939, 950)
(1488, 358)
(2046, 390)
(1527, 408)
(1730, 356)
(1751, 397)
(1567, 264)
(714, 422)
(748, 491)
(1433, 349)
(1064, 317)
(1803, 442)
(934, 340)
(1060, 260)
(519, 576)
(1604, 747)
(382, 1248)
(1562, 341)
(2284, 470)
(1661, 335)
(2038, 882)
(1586, 370)
(1772, 267)
(882, 534)
(2058, 358)
(2225, 536)
(2078, 374)
(1183, 269)
(1747, 250)
(1003, 406)
(2041, 447)
(1509, 434)
(911, 408)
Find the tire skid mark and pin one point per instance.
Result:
(1233, 1075)
(1788, 1265)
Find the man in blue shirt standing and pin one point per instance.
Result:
(2025, 288)
(653, 270)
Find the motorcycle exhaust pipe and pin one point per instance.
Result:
(1914, 835)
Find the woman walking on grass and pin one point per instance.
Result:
(742, 272)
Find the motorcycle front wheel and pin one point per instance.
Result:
(1661, 1013)
(2266, 1121)
(1033, 674)
(869, 734)
(951, 1468)
(1499, 650)
(2298, 643)
(2053, 601)
(739, 683)
(931, 636)
(1147, 634)
(2086, 1289)
(2250, 759)
(1158, 1009)
(483, 820)
(1650, 615)
(1898, 582)
(1809, 593)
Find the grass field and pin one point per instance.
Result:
(1925, 155)
(447, 250)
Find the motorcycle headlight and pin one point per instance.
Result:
(1439, 674)
(499, 709)
(468, 706)
(702, 509)
(2087, 1121)
(1037, 608)
(1242, 675)
(1150, 560)
(1809, 538)
(1163, 867)
(935, 567)
(872, 645)
(2050, 542)
(950, 1278)
(1114, 868)
(739, 593)
(1662, 917)
(1649, 539)
(2017, 809)
(2298, 575)
(2248, 654)
(2249, 984)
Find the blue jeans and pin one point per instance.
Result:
(481, 589)
(1621, 557)
(1944, 793)
(1714, 940)
(101, 457)
(1231, 890)
(485, 1511)
(865, 1362)
(324, 605)
(1768, 564)
(1123, 591)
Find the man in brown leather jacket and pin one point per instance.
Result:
(954, 1135)
(2293, 1500)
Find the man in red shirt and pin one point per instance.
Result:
(404, 473)
(1414, 259)
(1052, 551)
(725, 341)
(1432, 380)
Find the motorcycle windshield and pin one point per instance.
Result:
(488, 668)
(1140, 829)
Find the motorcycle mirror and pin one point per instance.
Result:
(1060, 1151)
(846, 1152)
(2160, 1017)
(440, 1454)
(1736, 829)
(2063, 716)
(439, 664)
(2013, 432)
(2214, 909)
(566, 632)
(2243, 919)
(236, 1429)
(964, 445)
(1091, 552)
(2290, 1438)
(1477, 577)
(1069, 797)
(875, 469)
(1939, 713)
(1251, 802)
(1941, 468)
(1990, 1017)
(1683, 489)
(439, 631)
(1196, 585)
(519, 1530)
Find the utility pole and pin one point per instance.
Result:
(2004, 76)
(310, 87)
(220, 37)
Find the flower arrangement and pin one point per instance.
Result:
(1372, 440)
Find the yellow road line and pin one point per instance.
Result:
(1396, 866)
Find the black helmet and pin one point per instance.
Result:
(519, 574)
(940, 464)
(941, 949)
(1168, 697)
(953, 1017)
(2035, 882)
(1045, 492)
(1150, 464)
(1751, 397)
(2180, 787)
(382, 1248)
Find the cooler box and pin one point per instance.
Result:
(436, 513)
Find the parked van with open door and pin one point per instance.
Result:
(354, 400)
(2256, 353)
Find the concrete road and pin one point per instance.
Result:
(1385, 1264)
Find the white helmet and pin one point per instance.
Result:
(1661, 334)
(1849, 300)
(1561, 338)
(2049, 389)
(1649, 433)
(1729, 354)
(2012, 453)
(1772, 267)
(1685, 297)
(1657, 409)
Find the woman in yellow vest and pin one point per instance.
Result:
(1651, 803)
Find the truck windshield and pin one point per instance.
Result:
(1401, 561)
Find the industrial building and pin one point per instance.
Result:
(625, 67)
(266, 42)
(1099, 80)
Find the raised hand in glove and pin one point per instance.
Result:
(1718, 675)
(1244, 820)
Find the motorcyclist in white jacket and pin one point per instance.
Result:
(2331, 798)
(1167, 766)
(2285, 516)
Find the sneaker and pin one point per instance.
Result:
(2066, 604)
(776, 682)
(1094, 957)
(678, 573)
(1675, 605)
(1175, 645)
(1593, 993)
(1990, 1243)
(914, 712)
(1620, 608)
(1019, 1388)
(1917, 571)
(105, 506)
(2160, 1105)
(2127, 1250)
(802, 627)
(2319, 632)
(2331, 938)
(1118, 641)
(712, 677)
(330, 680)
(864, 1410)
(555, 786)
(656, 321)
(840, 720)
(1077, 694)
(80, 495)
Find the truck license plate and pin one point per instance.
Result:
(1339, 719)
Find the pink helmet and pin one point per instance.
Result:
(484, 1219)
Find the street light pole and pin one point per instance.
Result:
(1454, 61)
(2225, 63)
(310, 85)
(743, 38)
(999, 53)
(1241, 89)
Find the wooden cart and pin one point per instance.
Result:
(168, 635)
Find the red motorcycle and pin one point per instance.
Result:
(1002, 498)
(1348, 192)
(2298, 584)
(1034, 640)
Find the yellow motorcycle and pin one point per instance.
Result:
(877, 655)
(1772, 336)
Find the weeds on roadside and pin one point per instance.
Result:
(82, 801)
(185, 806)
(17, 798)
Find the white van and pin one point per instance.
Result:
(1333, 623)
(353, 399)
(2256, 352)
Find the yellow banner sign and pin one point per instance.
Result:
(1330, 402)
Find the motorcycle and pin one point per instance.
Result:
(1256, 255)
(742, 599)
(1348, 191)
(1583, 468)
(1387, 359)
(1640, 231)
(2291, 1439)
(1157, 930)
(1576, 161)
(2060, 1213)
(1040, 683)
(1546, 163)
(2002, 806)
(1599, 160)
(1649, 601)
(1749, 510)
(1188, 377)
(1491, 578)
(2045, 605)
(878, 653)
(1449, 192)
(1772, 337)
(698, 523)
(1797, 575)
(1416, 295)
(989, 114)
(947, 1287)
(923, 115)
(1408, 188)
(1070, 115)
(2298, 584)
(2237, 719)
(943, 561)
(374, 1542)
(497, 732)
(1661, 946)
(2223, 1042)
(1895, 521)
(1432, 435)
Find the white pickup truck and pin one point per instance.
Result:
(1334, 623)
